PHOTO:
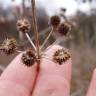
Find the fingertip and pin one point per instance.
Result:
(18, 73)
(65, 68)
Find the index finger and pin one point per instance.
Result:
(18, 77)
(53, 79)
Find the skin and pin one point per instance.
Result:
(52, 80)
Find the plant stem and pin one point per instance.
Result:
(59, 40)
(23, 7)
(45, 41)
(19, 51)
(31, 42)
(34, 23)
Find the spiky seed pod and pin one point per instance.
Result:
(28, 58)
(55, 21)
(9, 46)
(64, 28)
(61, 56)
(23, 25)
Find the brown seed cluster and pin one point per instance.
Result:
(9, 46)
(23, 25)
(55, 21)
(64, 28)
(61, 56)
(28, 58)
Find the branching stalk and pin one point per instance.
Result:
(31, 42)
(45, 41)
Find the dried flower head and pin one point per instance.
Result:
(9, 46)
(23, 25)
(55, 21)
(64, 28)
(28, 58)
(61, 56)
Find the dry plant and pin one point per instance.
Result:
(33, 54)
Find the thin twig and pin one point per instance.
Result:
(40, 34)
(59, 40)
(34, 23)
(31, 42)
(47, 39)
(36, 77)
(19, 51)
(23, 7)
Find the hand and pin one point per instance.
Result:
(53, 79)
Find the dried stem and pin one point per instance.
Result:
(23, 7)
(31, 42)
(19, 51)
(57, 42)
(45, 41)
(34, 23)
(2, 68)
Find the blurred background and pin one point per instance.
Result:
(81, 42)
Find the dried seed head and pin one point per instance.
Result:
(29, 58)
(9, 46)
(55, 21)
(23, 25)
(61, 56)
(64, 28)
